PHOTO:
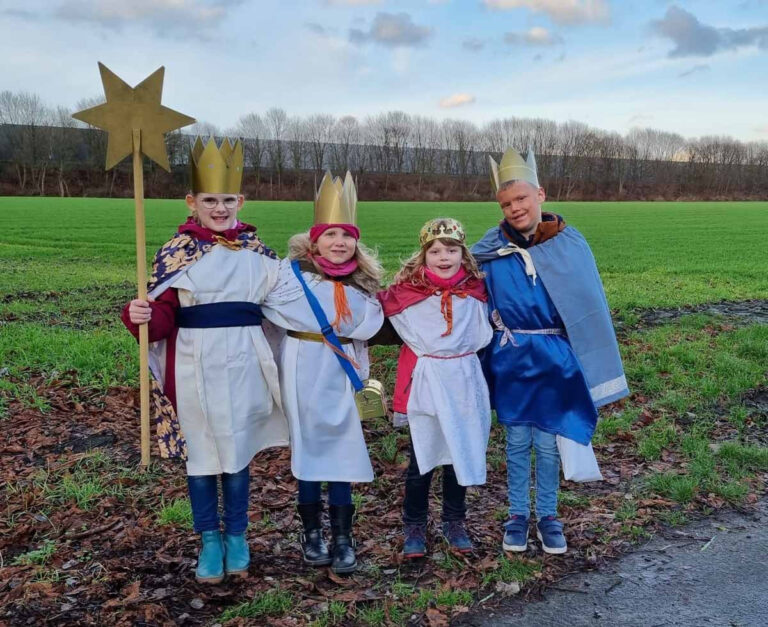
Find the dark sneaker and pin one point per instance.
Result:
(456, 534)
(516, 534)
(415, 544)
(550, 532)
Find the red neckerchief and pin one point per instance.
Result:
(206, 235)
(403, 295)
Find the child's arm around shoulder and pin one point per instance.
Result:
(284, 287)
(386, 336)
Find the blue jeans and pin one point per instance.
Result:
(339, 492)
(204, 497)
(519, 441)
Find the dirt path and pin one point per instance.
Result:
(741, 311)
(712, 572)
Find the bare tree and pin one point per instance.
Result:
(64, 143)
(376, 139)
(319, 129)
(297, 143)
(253, 130)
(387, 138)
(205, 130)
(29, 136)
(40, 145)
(277, 126)
(95, 147)
(345, 144)
(398, 126)
(425, 139)
(461, 136)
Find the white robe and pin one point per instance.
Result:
(327, 442)
(227, 387)
(449, 411)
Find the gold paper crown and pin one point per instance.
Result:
(440, 228)
(216, 170)
(336, 202)
(513, 168)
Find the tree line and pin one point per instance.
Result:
(43, 151)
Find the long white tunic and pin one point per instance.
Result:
(227, 387)
(327, 442)
(449, 412)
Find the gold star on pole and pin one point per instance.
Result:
(134, 108)
(136, 123)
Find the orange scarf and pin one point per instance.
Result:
(340, 304)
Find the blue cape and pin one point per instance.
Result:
(567, 269)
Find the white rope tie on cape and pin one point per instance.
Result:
(509, 249)
(508, 335)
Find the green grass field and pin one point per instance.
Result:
(650, 254)
(688, 440)
(67, 265)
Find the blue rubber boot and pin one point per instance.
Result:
(210, 561)
(237, 556)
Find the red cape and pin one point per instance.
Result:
(402, 295)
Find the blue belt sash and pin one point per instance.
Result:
(327, 330)
(219, 315)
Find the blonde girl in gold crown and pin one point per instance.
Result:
(217, 397)
(326, 300)
(437, 304)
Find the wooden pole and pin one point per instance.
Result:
(141, 280)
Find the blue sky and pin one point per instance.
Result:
(692, 67)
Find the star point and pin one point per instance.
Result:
(134, 108)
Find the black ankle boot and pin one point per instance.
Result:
(343, 546)
(313, 547)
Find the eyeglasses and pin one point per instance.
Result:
(209, 202)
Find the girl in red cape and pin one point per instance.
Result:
(438, 306)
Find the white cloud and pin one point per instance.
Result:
(457, 100)
(536, 36)
(692, 38)
(559, 11)
(178, 15)
(392, 29)
(539, 35)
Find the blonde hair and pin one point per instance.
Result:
(412, 270)
(369, 271)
